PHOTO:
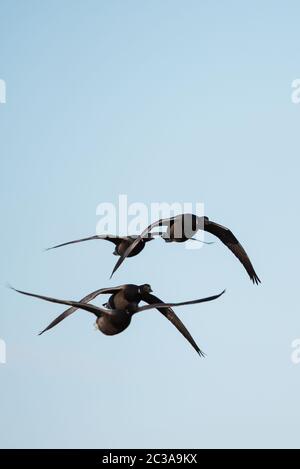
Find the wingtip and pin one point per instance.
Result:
(15, 289)
(115, 269)
(255, 279)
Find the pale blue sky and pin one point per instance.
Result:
(162, 101)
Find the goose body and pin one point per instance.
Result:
(112, 325)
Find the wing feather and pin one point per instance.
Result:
(167, 311)
(228, 238)
(114, 239)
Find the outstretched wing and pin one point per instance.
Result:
(228, 238)
(161, 222)
(169, 314)
(86, 299)
(174, 319)
(184, 303)
(114, 239)
(87, 307)
(65, 314)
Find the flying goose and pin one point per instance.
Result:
(182, 228)
(116, 315)
(122, 243)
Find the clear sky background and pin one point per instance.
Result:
(162, 101)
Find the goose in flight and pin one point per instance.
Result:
(115, 316)
(122, 243)
(183, 227)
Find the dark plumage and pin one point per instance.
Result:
(183, 227)
(116, 315)
(122, 243)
